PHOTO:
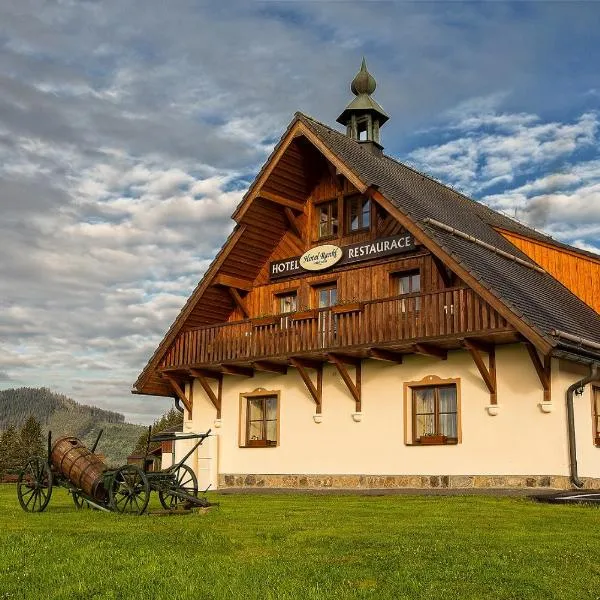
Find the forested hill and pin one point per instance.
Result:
(64, 416)
(19, 403)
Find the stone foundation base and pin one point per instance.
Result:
(559, 482)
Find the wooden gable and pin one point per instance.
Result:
(273, 223)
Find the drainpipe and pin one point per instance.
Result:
(577, 388)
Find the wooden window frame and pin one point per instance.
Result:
(347, 215)
(429, 381)
(316, 206)
(595, 392)
(396, 275)
(243, 417)
(317, 287)
(277, 298)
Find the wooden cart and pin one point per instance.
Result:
(69, 464)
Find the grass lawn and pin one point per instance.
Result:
(299, 546)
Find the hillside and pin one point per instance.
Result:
(64, 416)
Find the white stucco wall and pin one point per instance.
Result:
(520, 440)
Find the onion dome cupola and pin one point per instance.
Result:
(363, 116)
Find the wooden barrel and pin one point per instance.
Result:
(80, 466)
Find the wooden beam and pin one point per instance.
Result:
(445, 273)
(480, 345)
(239, 301)
(271, 197)
(270, 367)
(345, 358)
(307, 363)
(335, 176)
(543, 370)
(233, 282)
(315, 391)
(291, 218)
(353, 386)
(487, 373)
(387, 355)
(180, 393)
(339, 164)
(237, 370)
(214, 398)
(429, 350)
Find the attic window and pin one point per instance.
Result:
(327, 219)
(358, 213)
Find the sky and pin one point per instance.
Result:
(130, 130)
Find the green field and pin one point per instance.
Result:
(301, 546)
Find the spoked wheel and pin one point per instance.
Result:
(34, 486)
(185, 481)
(79, 501)
(130, 491)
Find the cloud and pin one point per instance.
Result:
(128, 135)
(490, 148)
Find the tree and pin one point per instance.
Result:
(172, 418)
(32, 441)
(11, 452)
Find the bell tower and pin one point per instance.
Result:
(363, 116)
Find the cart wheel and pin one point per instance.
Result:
(185, 481)
(79, 501)
(34, 486)
(129, 492)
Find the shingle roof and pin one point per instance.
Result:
(537, 298)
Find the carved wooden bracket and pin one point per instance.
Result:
(270, 367)
(237, 370)
(315, 391)
(445, 273)
(277, 199)
(384, 354)
(202, 377)
(238, 301)
(543, 371)
(354, 387)
(488, 373)
(291, 219)
(187, 402)
(430, 350)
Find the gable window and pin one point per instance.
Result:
(432, 411)
(596, 414)
(259, 421)
(327, 219)
(358, 213)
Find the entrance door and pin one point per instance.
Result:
(327, 297)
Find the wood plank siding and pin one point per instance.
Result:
(578, 272)
(437, 312)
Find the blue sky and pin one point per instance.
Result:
(129, 130)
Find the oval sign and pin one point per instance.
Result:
(320, 257)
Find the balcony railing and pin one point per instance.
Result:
(402, 319)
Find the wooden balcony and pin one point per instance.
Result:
(441, 318)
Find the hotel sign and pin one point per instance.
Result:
(320, 258)
(324, 257)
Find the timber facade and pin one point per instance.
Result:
(365, 326)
